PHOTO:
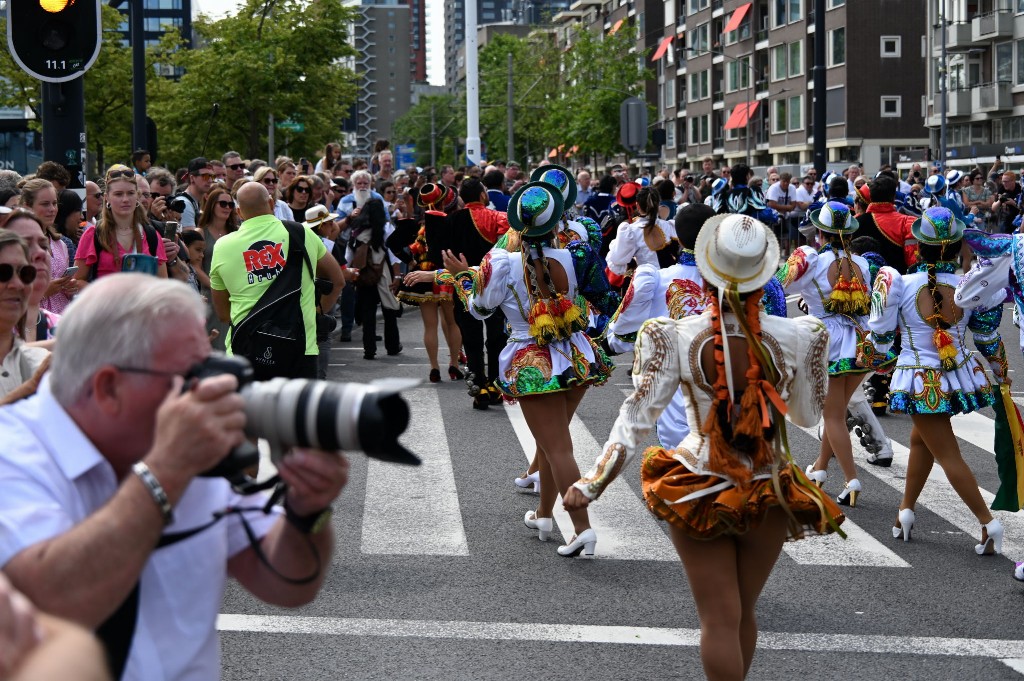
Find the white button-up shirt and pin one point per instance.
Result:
(53, 478)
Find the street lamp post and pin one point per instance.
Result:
(753, 77)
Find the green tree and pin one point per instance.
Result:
(437, 118)
(598, 72)
(535, 83)
(280, 58)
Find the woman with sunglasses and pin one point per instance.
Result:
(218, 218)
(976, 194)
(268, 177)
(121, 229)
(40, 196)
(299, 196)
(19, 360)
(39, 323)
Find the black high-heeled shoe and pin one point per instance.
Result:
(481, 400)
(455, 374)
(435, 375)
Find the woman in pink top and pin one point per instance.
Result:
(121, 229)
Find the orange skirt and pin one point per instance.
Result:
(732, 510)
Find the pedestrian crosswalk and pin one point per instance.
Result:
(402, 504)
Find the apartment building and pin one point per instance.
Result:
(379, 35)
(734, 78)
(984, 61)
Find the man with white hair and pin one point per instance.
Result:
(583, 190)
(102, 467)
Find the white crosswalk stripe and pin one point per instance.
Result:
(625, 529)
(404, 503)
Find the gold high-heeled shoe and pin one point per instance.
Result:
(848, 497)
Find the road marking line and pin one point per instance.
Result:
(938, 496)
(625, 528)
(1016, 665)
(414, 510)
(975, 428)
(1006, 650)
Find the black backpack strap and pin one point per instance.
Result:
(152, 238)
(117, 632)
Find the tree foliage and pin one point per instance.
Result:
(441, 118)
(280, 58)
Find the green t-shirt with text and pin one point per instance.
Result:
(245, 262)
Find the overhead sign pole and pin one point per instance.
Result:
(473, 155)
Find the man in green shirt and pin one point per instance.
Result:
(245, 263)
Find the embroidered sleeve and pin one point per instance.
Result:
(485, 286)
(774, 299)
(797, 265)
(590, 279)
(621, 250)
(634, 310)
(984, 286)
(593, 231)
(984, 324)
(885, 304)
(807, 395)
(655, 380)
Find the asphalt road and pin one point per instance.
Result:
(435, 576)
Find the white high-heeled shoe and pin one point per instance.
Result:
(906, 519)
(542, 525)
(848, 497)
(1018, 572)
(991, 539)
(582, 544)
(817, 477)
(530, 484)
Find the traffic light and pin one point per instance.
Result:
(54, 40)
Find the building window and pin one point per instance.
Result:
(698, 5)
(835, 106)
(670, 135)
(779, 116)
(837, 47)
(891, 107)
(891, 45)
(737, 74)
(700, 129)
(796, 113)
(700, 85)
(1004, 63)
(780, 62)
(670, 93)
(700, 39)
(796, 58)
(1020, 61)
(788, 114)
(832, 4)
(786, 12)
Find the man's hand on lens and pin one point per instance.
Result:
(159, 207)
(314, 477)
(197, 428)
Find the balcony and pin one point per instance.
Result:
(958, 35)
(958, 103)
(992, 26)
(991, 97)
(583, 4)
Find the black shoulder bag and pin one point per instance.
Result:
(273, 335)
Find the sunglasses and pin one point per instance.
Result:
(302, 190)
(126, 174)
(269, 180)
(390, 191)
(27, 273)
(226, 204)
(97, 195)
(810, 182)
(146, 195)
(237, 166)
(205, 176)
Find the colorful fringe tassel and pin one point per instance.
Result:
(947, 350)
(556, 319)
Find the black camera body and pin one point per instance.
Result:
(177, 203)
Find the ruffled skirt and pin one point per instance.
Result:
(731, 511)
(426, 292)
(925, 390)
(843, 339)
(526, 368)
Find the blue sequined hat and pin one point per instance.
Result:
(938, 226)
(835, 218)
(535, 209)
(558, 176)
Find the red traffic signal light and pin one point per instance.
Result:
(54, 40)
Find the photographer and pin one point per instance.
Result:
(200, 178)
(1007, 203)
(102, 463)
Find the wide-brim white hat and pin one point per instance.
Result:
(317, 215)
(737, 251)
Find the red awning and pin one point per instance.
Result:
(741, 113)
(737, 18)
(662, 48)
(615, 27)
